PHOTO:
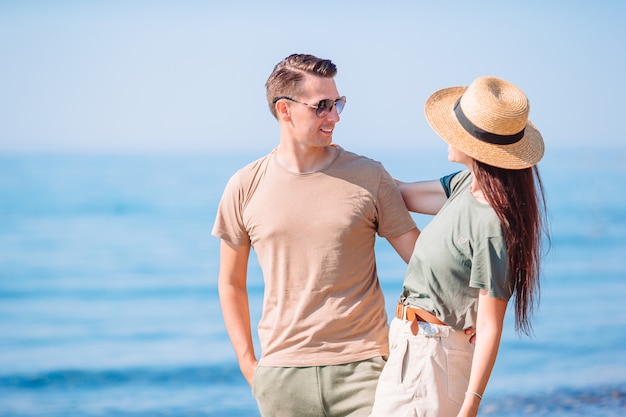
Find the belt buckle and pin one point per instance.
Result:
(401, 311)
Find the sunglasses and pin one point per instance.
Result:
(323, 107)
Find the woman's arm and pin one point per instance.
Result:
(425, 197)
(489, 323)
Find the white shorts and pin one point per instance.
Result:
(426, 375)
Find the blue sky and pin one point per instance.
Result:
(153, 76)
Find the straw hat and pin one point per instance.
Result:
(488, 121)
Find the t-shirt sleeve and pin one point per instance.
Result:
(394, 218)
(229, 224)
(446, 183)
(489, 268)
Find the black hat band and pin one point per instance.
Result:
(483, 135)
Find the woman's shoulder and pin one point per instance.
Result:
(455, 182)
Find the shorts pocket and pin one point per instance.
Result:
(255, 380)
(459, 368)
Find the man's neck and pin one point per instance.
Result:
(303, 160)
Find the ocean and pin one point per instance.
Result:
(108, 288)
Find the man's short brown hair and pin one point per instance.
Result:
(286, 78)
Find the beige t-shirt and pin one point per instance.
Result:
(314, 236)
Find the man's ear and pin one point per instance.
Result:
(283, 111)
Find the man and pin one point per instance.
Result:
(311, 211)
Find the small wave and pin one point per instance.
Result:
(588, 401)
(98, 379)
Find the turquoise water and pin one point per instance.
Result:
(108, 300)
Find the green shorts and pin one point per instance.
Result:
(317, 391)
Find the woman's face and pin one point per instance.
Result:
(454, 155)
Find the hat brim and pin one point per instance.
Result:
(439, 110)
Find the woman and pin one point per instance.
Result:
(481, 249)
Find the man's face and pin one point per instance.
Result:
(306, 127)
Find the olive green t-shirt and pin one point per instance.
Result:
(461, 251)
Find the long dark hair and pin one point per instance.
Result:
(518, 198)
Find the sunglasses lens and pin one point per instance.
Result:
(340, 103)
(325, 106)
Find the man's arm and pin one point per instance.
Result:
(235, 305)
(425, 197)
(405, 243)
